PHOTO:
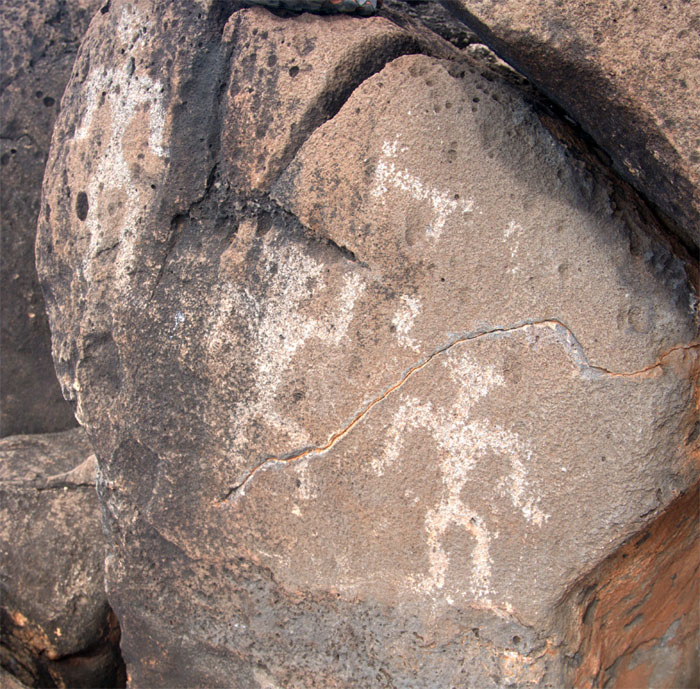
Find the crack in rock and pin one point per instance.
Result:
(81, 476)
(566, 339)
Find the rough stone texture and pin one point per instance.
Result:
(57, 627)
(433, 15)
(264, 125)
(370, 428)
(8, 681)
(636, 619)
(38, 43)
(628, 72)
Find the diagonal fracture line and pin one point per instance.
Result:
(575, 351)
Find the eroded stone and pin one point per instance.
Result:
(38, 43)
(635, 621)
(628, 73)
(57, 627)
(289, 78)
(330, 417)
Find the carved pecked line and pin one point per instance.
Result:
(576, 353)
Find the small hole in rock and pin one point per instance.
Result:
(81, 205)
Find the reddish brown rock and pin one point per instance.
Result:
(57, 627)
(372, 427)
(629, 73)
(38, 43)
(635, 619)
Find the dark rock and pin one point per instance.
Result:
(8, 681)
(370, 378)
(627, 72)
(435, 17)
(38, 43)
(57, 627)
(289, 79)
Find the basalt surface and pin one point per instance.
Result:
(627, 72)
(57, 627)
(38, 43)
(375, 371)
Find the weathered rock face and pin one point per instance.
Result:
(57, 627)
(38, 43)
(374, 370)
(433, 15)
(628, 72)
(8, 681)
(635, 620)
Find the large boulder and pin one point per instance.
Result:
(628, 72)
(375, 370)
(57, 627)
(38, 43)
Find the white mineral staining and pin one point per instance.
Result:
(403, 320)
(388, 175)
(133, 105)
(461, 441)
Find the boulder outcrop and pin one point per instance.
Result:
(57, 627)
(38, 43)
(375, 371)
(629, 73)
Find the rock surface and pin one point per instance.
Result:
(8, 681)
(57, 627)
(375, 371)
(433, 15)
(629, 73)
(635, 620)
(38, 43)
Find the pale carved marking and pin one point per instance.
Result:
(443, 202)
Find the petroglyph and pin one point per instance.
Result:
(389, 175)
(563, 336)
(283, 327)
(404, 318)
(460, 442)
